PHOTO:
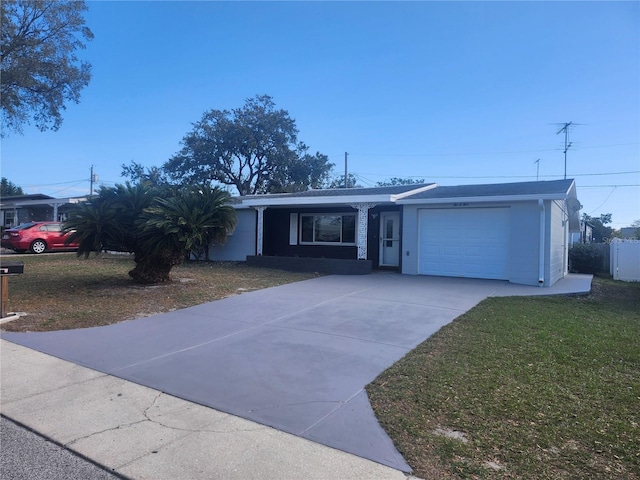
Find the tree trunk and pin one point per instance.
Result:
(154, 268)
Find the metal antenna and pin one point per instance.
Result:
(567, 143)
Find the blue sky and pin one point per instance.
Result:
(450, 92)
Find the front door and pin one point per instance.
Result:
(389, 239)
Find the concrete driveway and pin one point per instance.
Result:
(295, 357)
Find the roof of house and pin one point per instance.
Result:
(418, 193)
(336, 196)
(21, 198)
(343, 192)
(550, 187)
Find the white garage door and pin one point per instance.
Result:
(469, 242)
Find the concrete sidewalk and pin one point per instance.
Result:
(141, 433)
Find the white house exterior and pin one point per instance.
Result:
(241, 242)
(517, 232)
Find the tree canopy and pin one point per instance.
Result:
(138, 174)
(38, 61)
(9, 189)
(254, 148)
(338, 182)
(400, 181)
(600, 229)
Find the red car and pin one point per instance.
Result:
(38, 237)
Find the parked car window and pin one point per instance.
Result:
(23, 226)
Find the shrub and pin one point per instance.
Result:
(586, 258)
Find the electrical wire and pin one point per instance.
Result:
(483, 153)
(605, 201)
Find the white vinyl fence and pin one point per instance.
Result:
(625, 260)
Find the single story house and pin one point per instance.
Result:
(630, 232)
(18, 209)
(512, 231)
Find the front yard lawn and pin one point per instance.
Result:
(519, 387)
(61, 291)
(523, 387)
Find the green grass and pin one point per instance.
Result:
(541, 387)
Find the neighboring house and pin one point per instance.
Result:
(33, 208)
(586, 232)
(518, 232)
(629, 232)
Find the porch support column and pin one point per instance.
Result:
(363, 227)
(55, 211)
(260, 229)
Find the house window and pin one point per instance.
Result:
(328, 229)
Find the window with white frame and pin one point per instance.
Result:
(328, 229)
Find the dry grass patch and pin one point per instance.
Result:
(61, 291)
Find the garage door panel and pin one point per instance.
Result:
(471, 242)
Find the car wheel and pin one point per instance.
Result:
(38, 246)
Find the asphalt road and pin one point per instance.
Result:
(26, 455)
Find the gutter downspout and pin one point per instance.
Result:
(542, 238)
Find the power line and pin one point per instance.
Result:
(605, 201)
(52, 184)
(608, 186)
(444, 154)
(501, 176)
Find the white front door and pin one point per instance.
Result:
(389, 239)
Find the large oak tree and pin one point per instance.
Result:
(254, 148)
(40, 69)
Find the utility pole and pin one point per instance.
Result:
(92, 179)
(345, 169)
(538, 169)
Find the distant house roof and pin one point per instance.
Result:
(628, 232)
(22, 198)
(36, 199)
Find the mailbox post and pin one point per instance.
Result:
(7, 269)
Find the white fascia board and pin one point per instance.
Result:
(399, 196)
(309, 201)
(496, 198)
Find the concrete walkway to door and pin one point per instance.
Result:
(295, 357)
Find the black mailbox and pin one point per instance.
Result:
(11, 268)
(6, 269)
